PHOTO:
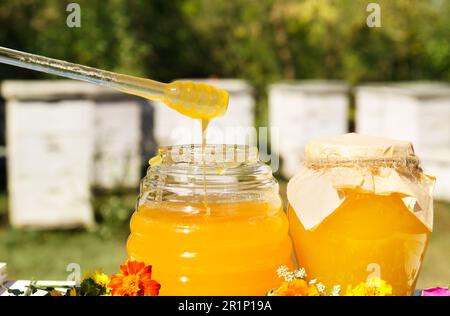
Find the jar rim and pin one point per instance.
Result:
(228, 173)
(209, 154)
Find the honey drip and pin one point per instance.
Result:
(205, 123)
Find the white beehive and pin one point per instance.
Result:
(49, 153)
(117, 143)
(415, 111)
(232, 128)
(303, 110)
(418, 112)
(63, 137)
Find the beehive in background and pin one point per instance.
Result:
(303, 110)
(62, 138)
(418, 112)
(49, 151)
(117, 153)
(232, 128)
(415, 111)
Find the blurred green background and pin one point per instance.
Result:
(261, 41)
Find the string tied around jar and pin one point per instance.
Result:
(362, 152)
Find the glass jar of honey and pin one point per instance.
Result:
(361, 207)
(210, 221)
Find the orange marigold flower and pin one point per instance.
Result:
(135, 279)
(297, 287)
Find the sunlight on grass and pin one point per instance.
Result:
(436, 267)
(45, 255)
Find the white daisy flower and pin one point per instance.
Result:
(336, 291)
(300, 274)
(282, 271)
(320, 287)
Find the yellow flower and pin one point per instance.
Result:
(373, 287)
(100, 278)
(55, 293)
(73, 292)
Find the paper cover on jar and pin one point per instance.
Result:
(370, 164)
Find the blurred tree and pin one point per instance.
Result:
(137, 37)
(261, 41)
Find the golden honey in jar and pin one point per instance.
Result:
(210, 222)
(361, 207)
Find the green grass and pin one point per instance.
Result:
(436, 266)
(45, 255)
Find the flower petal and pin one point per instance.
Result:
(147, 270)
(437, 291)
(151, 287)
(135, 267)
(116, 281)
(124, 268)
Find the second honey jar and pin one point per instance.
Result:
(361, 208)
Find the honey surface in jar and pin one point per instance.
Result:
(232, 248)
(367, 234)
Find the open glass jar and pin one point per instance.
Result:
(360, 208)
(210, 222)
